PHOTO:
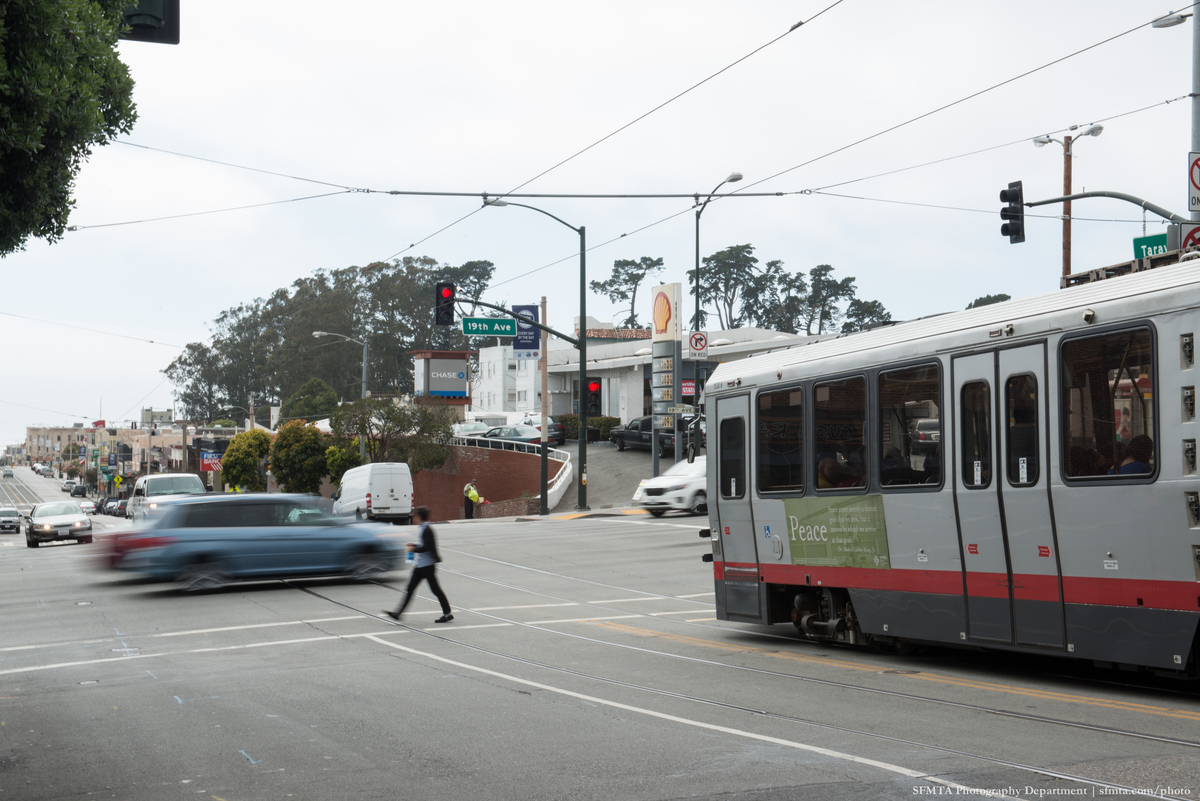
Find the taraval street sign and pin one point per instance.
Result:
(489, 326)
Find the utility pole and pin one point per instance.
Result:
(545, 507)
(1066, 220)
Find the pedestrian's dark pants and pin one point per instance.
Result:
(429, 574)
(468, 509)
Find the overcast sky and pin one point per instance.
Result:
(482, 97)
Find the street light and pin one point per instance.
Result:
(1067, 142)
(734, 177)
(362, 440)
(581, 502)
(1170, 21)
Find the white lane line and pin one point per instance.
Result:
(696, 595)
(633, 600)
(256, 626)
(886, 766)
(30, 668)
(582, 619)
(529, 606)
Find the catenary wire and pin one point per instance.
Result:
(211, 211)
(952, 104)
(90, 330)
(973, 211)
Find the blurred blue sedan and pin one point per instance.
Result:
(207, 541)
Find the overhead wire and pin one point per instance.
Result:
(89, 330)
(211, 211)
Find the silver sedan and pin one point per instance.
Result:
(49, 522)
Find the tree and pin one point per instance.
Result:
(313, 401)
(863, 313)
(988, 300)
(298, 457)
(622, 285)
(417, 433)
(63, 90)
(242, 463)
(340, 458)
(722, 278)
(774, 299)
(820, 308)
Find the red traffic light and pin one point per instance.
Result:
(447, 292)
(594, 386)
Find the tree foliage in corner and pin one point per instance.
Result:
(298, 457)
(63, 90)
(240, 466)
(313, 401)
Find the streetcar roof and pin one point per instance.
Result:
(972, 328)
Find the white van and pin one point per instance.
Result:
(381, 491)
(150, 490)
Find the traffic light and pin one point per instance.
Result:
(591, 397)
(1013, 213)
(444, 304)
(154, 21)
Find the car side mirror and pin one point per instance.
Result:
(139, 492)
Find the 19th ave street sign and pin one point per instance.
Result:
(489, 326)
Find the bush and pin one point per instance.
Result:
(570, 423)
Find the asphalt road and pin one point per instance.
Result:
(584, 661)
(612, 475)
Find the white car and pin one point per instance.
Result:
(88, 507)
(10, 518)
(57, 520)
(682, 486)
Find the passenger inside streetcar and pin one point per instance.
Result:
(1137, 457)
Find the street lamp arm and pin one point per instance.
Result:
(1137, 201)
(708, 199)
(339, 336)
(500, 201)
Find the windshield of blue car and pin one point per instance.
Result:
(184, 484)
(696, 468)
(52, 509)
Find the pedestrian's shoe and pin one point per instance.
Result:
(444, 619)
(392, 615)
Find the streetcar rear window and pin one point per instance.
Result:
(780, 441)
(1021, 437)
(733, 458)
(839, 418)
(1108, 405)
(910, 426)
(976, 435)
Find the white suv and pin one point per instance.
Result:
(149, 491)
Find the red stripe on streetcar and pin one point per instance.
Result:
(1183, 595)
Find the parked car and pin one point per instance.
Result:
(88, 507)
(924, 435)
(556, 433)
(518, 433)
(150, 491)
(78, 491)
(121, 508)
(206, 542)
(10, 519)
(381, 491)
(638, 434)
(683, 485)
(110, 505)
(67, 485)
(60, 520)
(469, 429)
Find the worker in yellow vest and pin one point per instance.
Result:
(470, 498)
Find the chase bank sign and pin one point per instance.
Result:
(441, 377)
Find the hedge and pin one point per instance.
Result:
(570, 423)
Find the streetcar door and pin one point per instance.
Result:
(735, 519)
(1023, 470)
(986, 573)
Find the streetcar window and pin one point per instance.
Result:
(1108, 405)
(780, 437)
(1021, 443)
(910, 426)
(976, 435)
(840, 422)
(733, 458)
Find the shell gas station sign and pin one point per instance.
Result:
(666, 300)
